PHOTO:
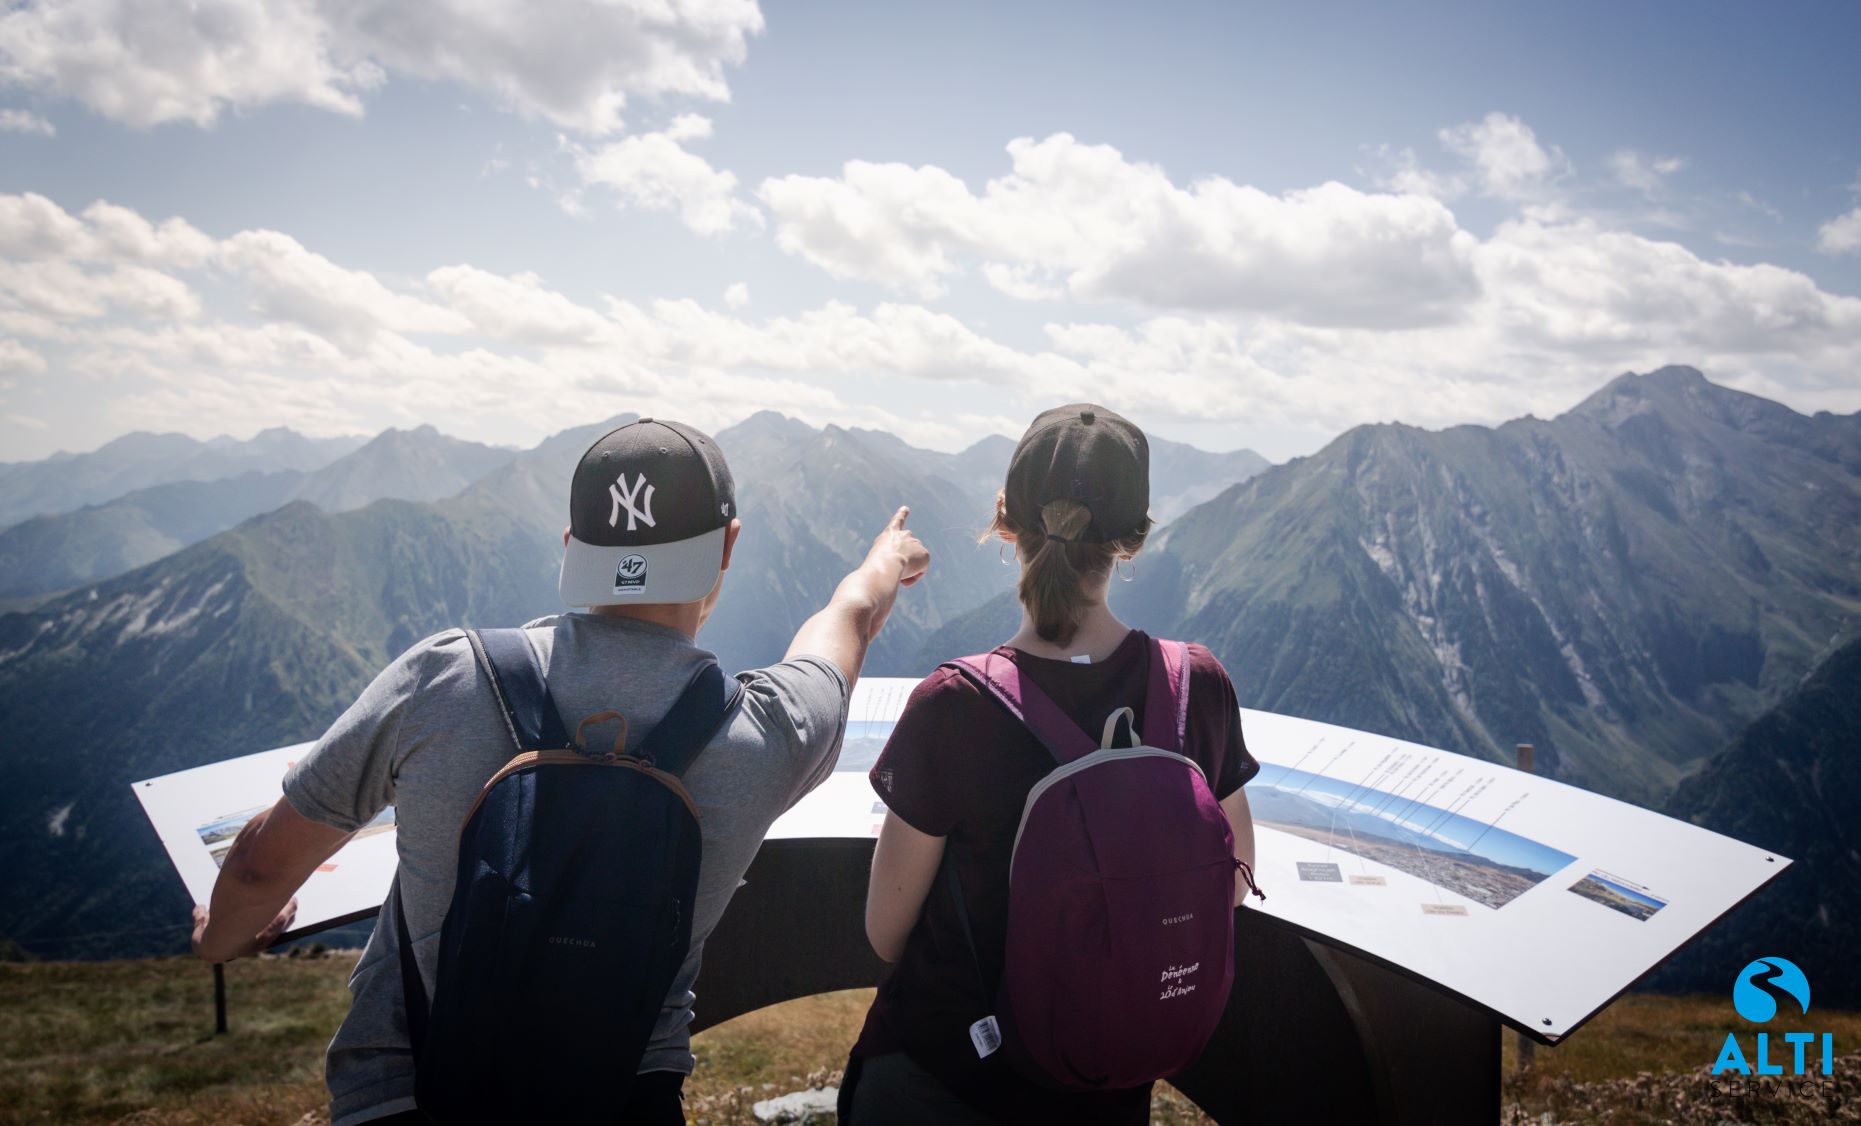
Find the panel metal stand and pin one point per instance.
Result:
(219, 998)
(1312, 1033)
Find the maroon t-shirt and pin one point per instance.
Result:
(958, 766)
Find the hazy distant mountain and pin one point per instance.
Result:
(1791, 782)
(52, 553)
(812, 502)
(1182, 477)
(1624, 586)
(66, 482)
(417, 464)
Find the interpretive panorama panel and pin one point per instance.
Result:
(1534, 899)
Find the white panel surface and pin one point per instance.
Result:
(1532, 898)
(198, 812)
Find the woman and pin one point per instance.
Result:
(958, 769)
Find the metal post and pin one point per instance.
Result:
(1526, 1045)
(219, 998)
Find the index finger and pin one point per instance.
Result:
(898, 518)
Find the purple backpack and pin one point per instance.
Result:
(1120, 897)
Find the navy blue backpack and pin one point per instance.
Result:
(571, 912)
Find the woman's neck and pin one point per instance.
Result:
(1098, 637)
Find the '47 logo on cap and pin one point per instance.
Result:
(624, 497)
(630, 576)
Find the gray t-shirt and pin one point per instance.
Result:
(427, 734)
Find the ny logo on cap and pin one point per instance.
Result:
(624, 498)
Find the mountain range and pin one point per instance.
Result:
(1624, 586)
(1791, 781)
(1627, 586)
(54, 552)
(66, 482)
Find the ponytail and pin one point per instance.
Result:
(1058, 569)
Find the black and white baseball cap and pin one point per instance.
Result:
(647, 513)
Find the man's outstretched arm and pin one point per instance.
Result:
(856, 613)
(252, 899)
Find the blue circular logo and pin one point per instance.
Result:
(1759, 986)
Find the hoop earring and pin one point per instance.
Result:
(1000, 557)
(1127, 570)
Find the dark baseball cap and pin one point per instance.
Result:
(1088, 454)
(647, 512)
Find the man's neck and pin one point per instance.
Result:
(684, 617)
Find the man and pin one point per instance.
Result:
(652, 527)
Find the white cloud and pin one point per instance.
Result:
(1507, 158)
(836, 338)
(1022, 281)
(1554, 307)
(144, 64)
(1575, 288)
(23, 121)
(689, 127)
(1562, 307)
(19, 322)
(573, 62)
(34, 227)
(68, 291)
(294, 284)
(118, 232)
(736, 295)
(1758, 205)
(517, 308)
(1841, 235)
(654, 171)
(1645, 174)
(1083, 218)
(1401, 171)
(17, 359)
(887, 223)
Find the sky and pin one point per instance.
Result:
(1241, 225)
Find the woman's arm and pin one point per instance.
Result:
(904, 865)
(1241, 821)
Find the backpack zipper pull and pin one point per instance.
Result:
(1248, 875)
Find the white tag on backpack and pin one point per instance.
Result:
(986, 1035)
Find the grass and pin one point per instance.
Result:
(115, 1041)
(1647, 1060)
(132, 1042)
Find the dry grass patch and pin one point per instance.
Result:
(1647, 1059)
(804, 1043)
(132, 1042)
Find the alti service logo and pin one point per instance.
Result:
(1765, 989)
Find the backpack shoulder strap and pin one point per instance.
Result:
(523, 695)
(1166, 700)
(692, 721)
(413, 990)
(1003, 679)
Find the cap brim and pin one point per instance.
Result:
(682, 571)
